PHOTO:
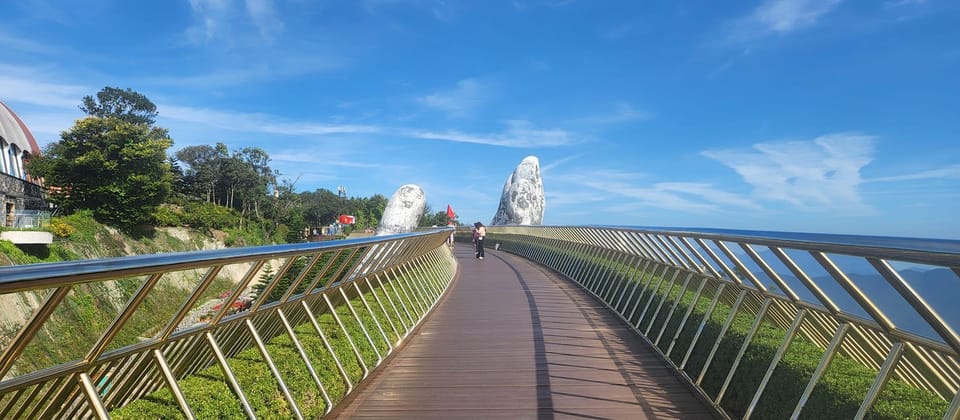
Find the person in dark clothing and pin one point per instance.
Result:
(481, 235)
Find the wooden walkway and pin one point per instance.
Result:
(514, 340)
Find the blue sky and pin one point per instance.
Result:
(789, 115)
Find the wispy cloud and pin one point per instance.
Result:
(950, 171)
(824, 172)
(269, 66)
(780, 17)
(441, 10)
(904, 3)
(20, 84)
(783, 16)
(553, 165)
(256, 122)
(13, 43)
(630, 192)
(519, 133)
(264, 16)
(622, 113)
(228, 22)
(462, 100)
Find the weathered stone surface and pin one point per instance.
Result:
(403, 210)
(522, 201)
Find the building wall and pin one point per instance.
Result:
(18, 190)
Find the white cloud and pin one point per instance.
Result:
(228, 22)
(783, 16)
(625, 190)
(780, 17)
(462, 100)
(553, 165)
(12, 43)
(824, 172)
(256, 122)
(518, 134)
(265, 18)
(950, 171)
(904, 3)
(16, 84)
(623, 112)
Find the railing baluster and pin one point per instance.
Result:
(882, 377)
(273, 368)
(723, 333)
(363, 328)
(686, 315)
(306, 360)
(821, 369)
(326, 344)
(374, 317)
(703, 324)
(787, 339)
(743, 348)
(673, 308)
(172, 383)
(231, 379)
(346, 334)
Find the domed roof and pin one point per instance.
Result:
(14, 131)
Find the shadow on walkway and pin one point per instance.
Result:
(514, 340)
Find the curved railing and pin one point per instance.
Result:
(93, 338)
(777, 325)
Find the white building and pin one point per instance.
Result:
(19, 192)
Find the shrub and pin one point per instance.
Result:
(209, 216)
(61, 228)
(168, 215)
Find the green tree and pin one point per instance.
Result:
(202, 171)
(112, 164)
(431, 218)
(321, 207)
(127, 105)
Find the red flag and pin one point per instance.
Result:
(346, 219)
(450, 214)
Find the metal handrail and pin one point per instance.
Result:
(410, 271)
(835, 291)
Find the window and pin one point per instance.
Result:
(13, 152)
(4, 168)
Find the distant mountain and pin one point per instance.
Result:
(939, 287)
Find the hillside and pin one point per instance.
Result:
(82, 238)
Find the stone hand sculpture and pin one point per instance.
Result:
(403, 210)
(522, 200)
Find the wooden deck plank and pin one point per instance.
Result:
(514, 340)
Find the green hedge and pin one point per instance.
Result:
(209, 396)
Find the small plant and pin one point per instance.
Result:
(61, 228)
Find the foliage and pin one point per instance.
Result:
(127, 105)
(433, 219)
(238, 181)
(113, 163)
(61, 229)
(168, 215)
(204, 216)
(210, 397)
(321, 208)
(296, 270)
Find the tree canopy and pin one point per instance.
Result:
(111, 164)
(115, 163)
(127, 105)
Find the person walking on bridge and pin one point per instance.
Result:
(481, 235)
